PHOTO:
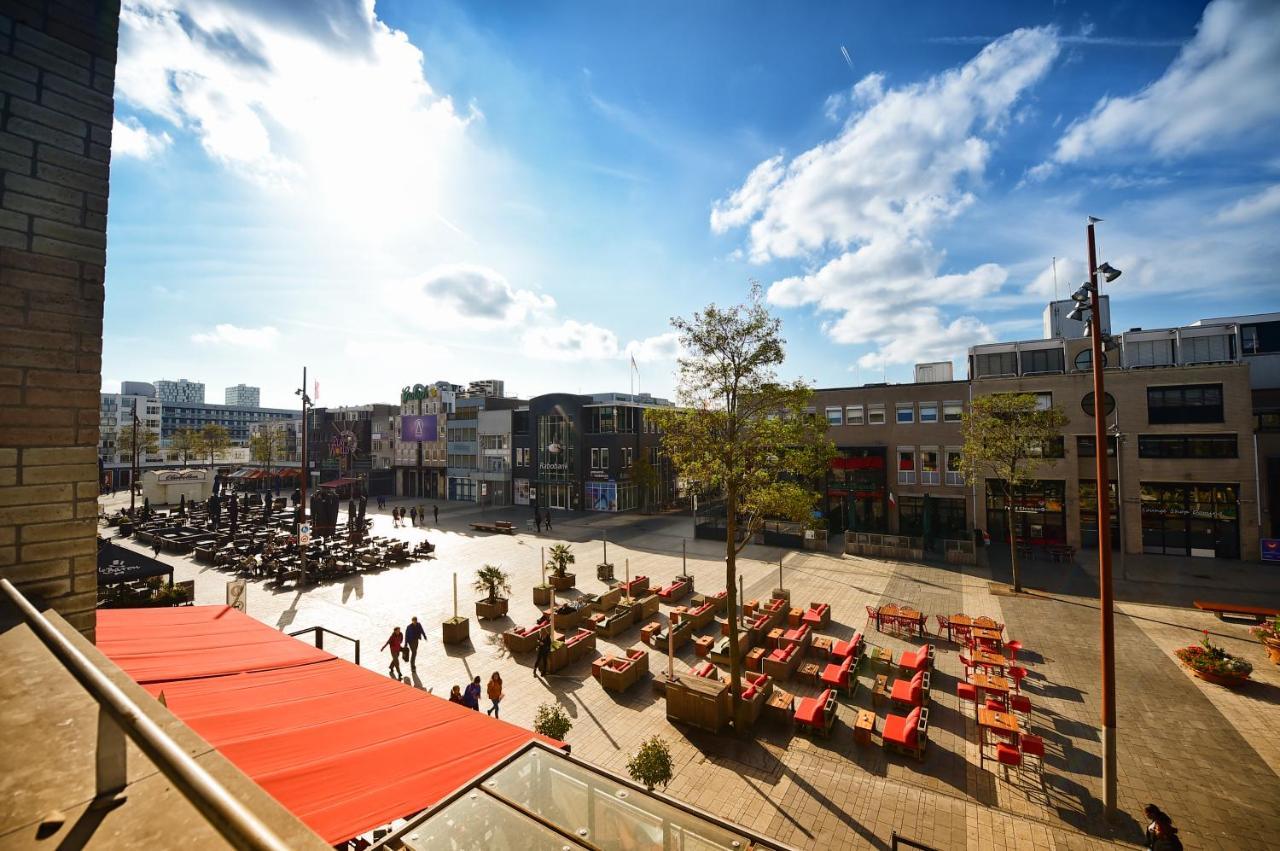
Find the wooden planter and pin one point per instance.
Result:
(1219, 679)
(489, 609)
(457, 630)
(562, 583)
(543, 595)
(1272, 646)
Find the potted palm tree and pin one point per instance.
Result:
(493, 582)
(561, 557)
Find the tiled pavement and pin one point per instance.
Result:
(1207, 756)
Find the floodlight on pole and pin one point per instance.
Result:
(1109, 272)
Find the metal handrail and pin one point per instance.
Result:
(319, 638)
(241, 828)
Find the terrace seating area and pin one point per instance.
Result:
(675, 590)
(620, 674)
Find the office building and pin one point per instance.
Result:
(236, 420)
(182, 390)
(243, 396)
(116, 412)
(465, 463)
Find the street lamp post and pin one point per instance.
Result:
(133, 460)
(306, 473)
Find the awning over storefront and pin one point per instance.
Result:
(242, 473)
(343, 748)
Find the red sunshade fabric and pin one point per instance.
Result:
(337, 483)
(343, 748)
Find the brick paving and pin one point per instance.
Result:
(1206, 755)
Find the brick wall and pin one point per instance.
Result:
(57, 77)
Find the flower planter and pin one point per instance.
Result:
(1273, 649)
(562, 583)
(457, 630)
(542, 595)
(1220, 679)
(489, 609)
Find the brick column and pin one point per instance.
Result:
(57, 78)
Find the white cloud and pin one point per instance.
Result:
(479, 294)
(233, 335)
(1251, 208)
(663, 347)
(1223, 85)
(130, 139)
(571, 341)
(321, 98)
(866, 203)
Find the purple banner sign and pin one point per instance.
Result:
(418, 429)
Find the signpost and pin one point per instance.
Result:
(237, 595)
(304, 534)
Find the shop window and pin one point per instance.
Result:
(952, 412)
(906, 413)
(853, 415)
(1192, 403)
(875, 414)
(911, 515)
(835, 416)
(928, 412)
(906, 466)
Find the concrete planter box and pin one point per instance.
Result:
(457, 630)
(562, 583)
(543, 595)
(490, 609)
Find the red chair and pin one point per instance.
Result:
(852, 647)
(1011, 650)
(967, 663)
(840, 676)
(1020, 704)
(912, 692)
(1034, 746)
(968, 692)
(706, 670)
(818, 615)
(873, 615)
(1016, 674)
(995, 705)
(908, 733)
(817, 714)
(918, 660)
(1008, 755)
(943, 624)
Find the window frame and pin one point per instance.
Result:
(839, 415)
(873, 410)
(852, 418)
(927, 406)
(959, 411)
(900, 408)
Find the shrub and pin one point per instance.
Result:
(552, 721)
(651, 764)
(1211, 659)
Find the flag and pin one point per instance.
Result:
(633, 362)
(316, 395)
(893, 500)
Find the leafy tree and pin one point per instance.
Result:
(651, 765)
(185, 445)
(267, 443)
(552, 721)
(215, 441)
(148, 443)
(492, 581)
(645, 477)
(743, 433)
(1004, 439)
(561, 556)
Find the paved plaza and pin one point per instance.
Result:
(1206, 755)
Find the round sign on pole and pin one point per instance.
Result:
(304, 533)
(1109, 402)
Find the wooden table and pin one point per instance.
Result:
(775, 635)
(966, 621)
(781, 704)
(881, 689)
(755, 658)
(702, 645)
(808, 671)
(880, 654)
(985, 682)
(986, 633)
(1002, 722)
(899, 614)
(821, 646)
(793, 617)
(864, 726)
(985, 659)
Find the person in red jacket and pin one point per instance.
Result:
(394, 641)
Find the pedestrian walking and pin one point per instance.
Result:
(537, 518)
(1149, 812)
(394, 641)
(544, 652)
(413, 516)
(547, 520)
(414, 633)
(455, 695)
(155, 544)
(422, 515)
(471, 697)
(1166, 835)
(435, 513)
(495, 694)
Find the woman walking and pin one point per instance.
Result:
(394, 641)
(471, 695)
(495, 694)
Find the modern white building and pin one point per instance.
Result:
(243, 396)
(117, 412)
(182, 390)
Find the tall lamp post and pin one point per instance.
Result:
(133, 460)
(1087, 303)
(306, 474)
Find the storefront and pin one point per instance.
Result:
(940, 518)
(1039, 512)
(856, 496)
(1089, 515)
(1191, 520)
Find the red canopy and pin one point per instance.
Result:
(343, 748)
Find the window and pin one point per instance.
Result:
(1044, 401)
(1055, 448)
(1000, 363)
(1215, 348)
(1192, 403)
(1187, 446)
(853, 415)
(906, 466)
(954, 475)
(1042, 360)
(952, 411)
(1086, 446)
(626, 456)
(875, 414)
(906, 413)
(928, 412)
(929, 473)
(599, 458)
(834, 416)
(1249, 339)
(1146, 353)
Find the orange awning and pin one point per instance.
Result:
(343, 748)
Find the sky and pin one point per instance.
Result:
(412, 191)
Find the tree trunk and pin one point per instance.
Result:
(1013, 547)
(731, 607)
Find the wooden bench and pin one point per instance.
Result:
(502, 526)
(1256, 613)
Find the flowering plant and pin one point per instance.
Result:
(1209, 658)
(1269, 630)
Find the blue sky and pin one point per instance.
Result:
(422, 191)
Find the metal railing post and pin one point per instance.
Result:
(110, 758)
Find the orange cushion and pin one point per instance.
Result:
(898, 730)
(836, 675)
(809, 712)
